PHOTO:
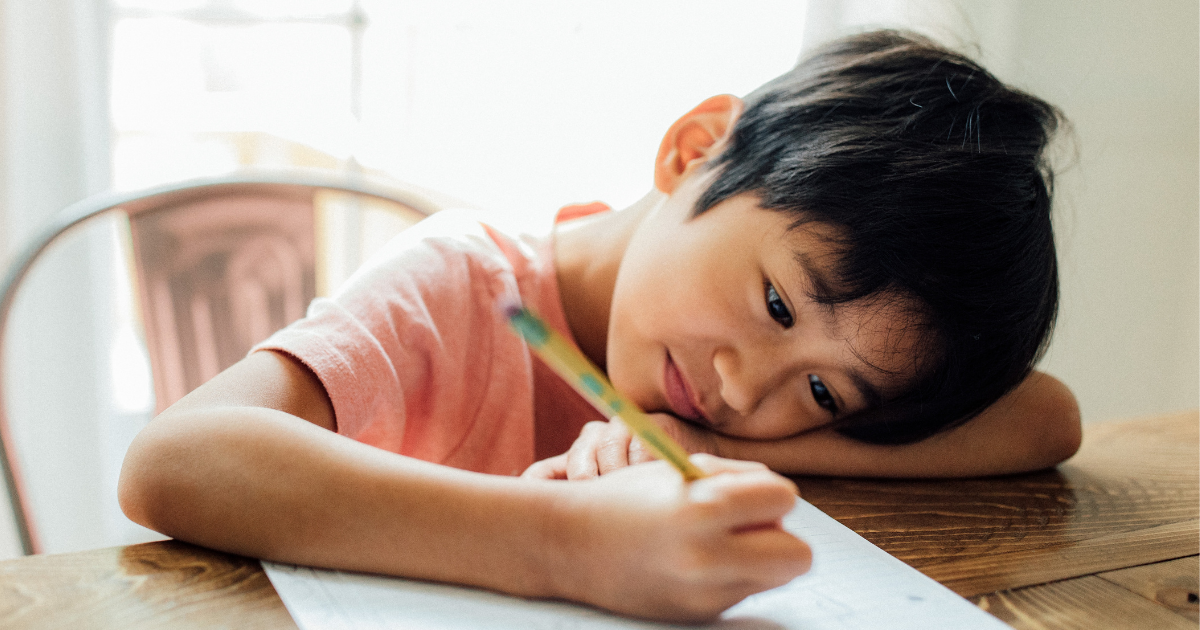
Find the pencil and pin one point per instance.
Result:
(582, 375)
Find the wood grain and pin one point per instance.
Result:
(154, 585)
(1128, 477)
(1087, 603)
(980, 575)
(1174, 584)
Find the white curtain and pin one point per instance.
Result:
(54, 150)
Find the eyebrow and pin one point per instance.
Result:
(819, 280)
(868, 390)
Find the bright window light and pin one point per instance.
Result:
(515, 107)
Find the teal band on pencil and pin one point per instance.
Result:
(581, 374)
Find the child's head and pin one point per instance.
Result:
(933, 174)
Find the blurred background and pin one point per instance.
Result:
(516, 108)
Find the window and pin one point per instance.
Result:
(516, 107)
(200, 88)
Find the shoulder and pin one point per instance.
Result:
(448, 233)
(443, 253)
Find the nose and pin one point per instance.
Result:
(746, 378)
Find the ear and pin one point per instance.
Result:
(699, 135)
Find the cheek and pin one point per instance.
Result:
(780, 419)
(651, 296)
(630, 345)
(651, 312)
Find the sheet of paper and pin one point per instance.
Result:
(853, 584)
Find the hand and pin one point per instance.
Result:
(603, 447)
(643, 542)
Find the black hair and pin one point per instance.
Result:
(934, 175)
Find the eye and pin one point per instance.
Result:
(777, 309)
(821, 394)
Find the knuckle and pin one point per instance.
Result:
(536, 470)
(592, 428)
(581, 473)
(613, 441)
(638, 452)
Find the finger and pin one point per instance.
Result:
(763, 559)
(639, 453)
(581, 458)
(738, 566)
(550, 468)
(713, 465)
(692, 438)
(742, 501)
(612, 449)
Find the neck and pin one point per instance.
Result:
(587, 257)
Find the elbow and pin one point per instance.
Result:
(132, 499)
(144, 489)
(1064, 433)
(1064, 442)
(135, 487)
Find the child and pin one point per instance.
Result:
(831, 278)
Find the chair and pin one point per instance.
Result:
(220, 263)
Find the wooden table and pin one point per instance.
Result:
(1108, 540)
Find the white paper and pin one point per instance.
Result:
(853, 584)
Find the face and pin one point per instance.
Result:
(711, 321)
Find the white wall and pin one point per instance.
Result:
(1127, 76)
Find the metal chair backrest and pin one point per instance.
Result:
(220, 264)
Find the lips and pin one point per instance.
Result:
(679, 395)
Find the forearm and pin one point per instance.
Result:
(642, 542)
(261, 483)
(1036, 426)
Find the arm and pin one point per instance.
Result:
(1035, 426)
(247, 464)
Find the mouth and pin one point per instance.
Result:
(679, 395)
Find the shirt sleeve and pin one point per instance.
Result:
(416, 357)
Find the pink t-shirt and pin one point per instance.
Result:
(418, 359)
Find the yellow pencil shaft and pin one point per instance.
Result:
(587, 379)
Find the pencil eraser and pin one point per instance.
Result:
(510, 307)
(527, 325)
